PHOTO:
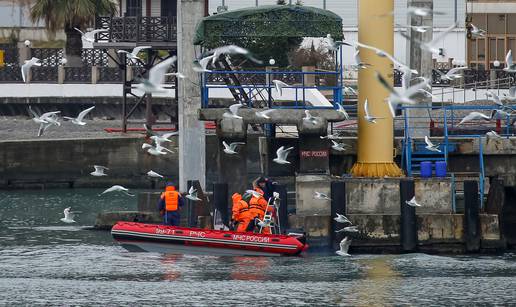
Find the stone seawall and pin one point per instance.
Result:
(68, 163)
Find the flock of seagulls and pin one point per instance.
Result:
(48, 119)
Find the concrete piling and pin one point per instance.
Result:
(471, 216)
(408, 221)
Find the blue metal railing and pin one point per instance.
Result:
(300, 88)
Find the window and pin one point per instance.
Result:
(134, 8)
(169, 8)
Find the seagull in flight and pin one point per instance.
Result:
(452, 74)
(233, 111)
(117, 188)
(176, 74)
(43, 119)
(474, 116)
(348, 229)
(192, 194)
(358, 62)
(254, 193)
(344, 247)
(99, 171)
(233, 49)
(156, 77)
(331, 137)
(420, 29)
(341, 218)
(341, 110)
(334, 45)
(321, 196)
(90, 35)
(406, 97)
(25, 68)
(133, 55)
(278, 86)
(368, 116)
(202, 64)
(421, 11)
(476, 32)
(281, 155)
(68, 216)
(79, 119)
(493, 135)
(413, 202)
(153, 174)
(509, 65)
(432, 46)
(430, 146)
(265, 113)
(308, 117)
(385, 54)
(230, 149)
(338, 146)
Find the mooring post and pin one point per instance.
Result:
(220, 202)
(471, 216)
(408, 220)
(338, 205)
(283, 208)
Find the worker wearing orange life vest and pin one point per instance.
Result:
(240, 212)
(257, 207)
(169, 205)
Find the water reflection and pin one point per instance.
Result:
(169, 263)
(249, 268)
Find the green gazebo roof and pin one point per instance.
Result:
(268, 20)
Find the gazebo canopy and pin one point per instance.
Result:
(268, 21)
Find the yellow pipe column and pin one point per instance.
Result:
(375, 141)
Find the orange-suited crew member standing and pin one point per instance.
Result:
(257, 207)
(241, 213)
(169, 205)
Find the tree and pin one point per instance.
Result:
(70, 14)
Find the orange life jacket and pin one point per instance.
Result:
(239, 207)
(171, 198)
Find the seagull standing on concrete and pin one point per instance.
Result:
(99, 171)
(192, 194)
(344, 247)
(370, 118)
(79, 119)
(233, 111)
(509, 65)
(430, 146)
(413, 202)
(25, 68)
(321, 196)
(279, 85)
(156, 77)
(309, 118)
(231, 148)
(68, 216)
(474, 116)
(133, 55)
(117, 188)
(153, 174)
(281, 155)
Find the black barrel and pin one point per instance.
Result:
(220, 201)
(283, 209)
(408, 221)
(338, 205)
(471, 216)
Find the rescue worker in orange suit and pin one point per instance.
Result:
(240, 212)
(169, 205)
(257, 207)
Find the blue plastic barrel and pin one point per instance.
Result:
(426, 169)
(440, 168)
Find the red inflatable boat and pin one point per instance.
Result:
(172, 239)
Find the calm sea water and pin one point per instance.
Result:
(46, 262)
